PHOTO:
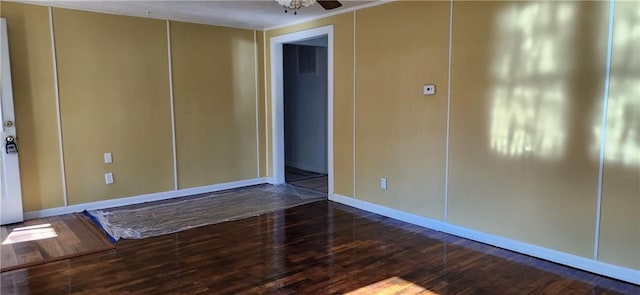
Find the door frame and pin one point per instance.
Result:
(277, 100)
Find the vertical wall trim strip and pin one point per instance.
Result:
(353, 103)
(58, 113)
(255, 70)
(446, 157)
(266, 111)
(330, 108)
(603, 134)
(173, 114)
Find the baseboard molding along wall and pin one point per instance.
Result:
(605, 269)
(598, 267)
(143, 198)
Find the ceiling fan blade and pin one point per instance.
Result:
(328, 5)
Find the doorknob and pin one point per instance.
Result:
(11, 147)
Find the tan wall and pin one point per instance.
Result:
(215, 104)
(342, 97)
(262, 138)
(525, 100)
(400, 133)
(620, 225)
(34, 105)
(526, 108)
(114, 97)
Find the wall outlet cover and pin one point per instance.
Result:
(429, 89)
(108, 178)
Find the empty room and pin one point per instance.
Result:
(320, 147)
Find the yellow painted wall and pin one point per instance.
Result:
(620, 225)
(261, 104)
(527, 84)
(400, 133)
(34, 105)
(215, 104)
(114, 97)
(342, 96)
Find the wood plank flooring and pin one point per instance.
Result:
(307, 179)
(318, 248)
(295, 174)
(319, 184)
(49, 239)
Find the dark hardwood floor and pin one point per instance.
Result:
(307, 179)
(318, 184)
(318, 248)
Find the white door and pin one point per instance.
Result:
(10, 191)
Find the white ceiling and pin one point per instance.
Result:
(259, 14)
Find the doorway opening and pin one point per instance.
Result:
(304, 150)
(305, 113)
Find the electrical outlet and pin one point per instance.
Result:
(383, 183)
(429, 89)
(107, 158)
(108, 178)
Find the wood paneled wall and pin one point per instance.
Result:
(514, 148)
(114, 91)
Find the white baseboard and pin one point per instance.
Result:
(605, 269)
(271, 180)
(142, 198)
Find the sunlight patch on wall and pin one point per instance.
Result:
(529, 90)
(30, 233)
(623, 114)
(623, 123)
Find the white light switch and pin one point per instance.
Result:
(107, 158)
(108, 178)
(383, 183)
(429, 89)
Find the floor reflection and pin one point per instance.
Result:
(318, 248)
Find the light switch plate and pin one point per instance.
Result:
(429, 89)
(107, 158)
(383, 183)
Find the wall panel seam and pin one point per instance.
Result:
(603, 134)
(353, 103)
(330, 107)
(266, 117)
(58, 112)
(173, 115)
(255, 70)
(447, 145)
